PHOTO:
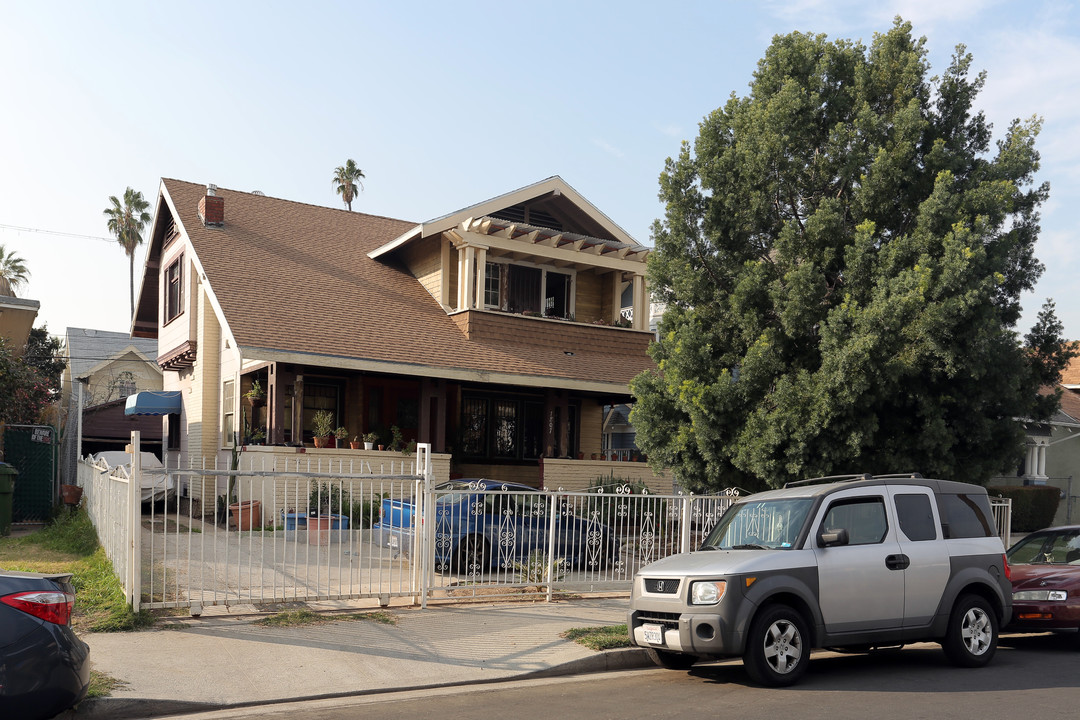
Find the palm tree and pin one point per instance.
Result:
(345, 180)
(13, 272)
(126, 222)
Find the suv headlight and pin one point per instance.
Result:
(707, 593)
(1041, 595)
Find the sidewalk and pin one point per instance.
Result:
(220, 661)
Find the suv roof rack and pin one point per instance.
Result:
(912, 475)
(830, 478)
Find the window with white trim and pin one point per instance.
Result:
(174, 289)
(531, 289)
(228, 413)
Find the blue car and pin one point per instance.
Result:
(484, 525)
(44, 667)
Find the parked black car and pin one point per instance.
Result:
(44, 667)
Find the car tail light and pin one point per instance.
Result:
(51, 606)
(1008, 570)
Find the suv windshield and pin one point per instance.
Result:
(765, 525)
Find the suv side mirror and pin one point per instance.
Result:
(830, 538)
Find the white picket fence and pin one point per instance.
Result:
(307, 532)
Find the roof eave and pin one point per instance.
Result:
(445, 373)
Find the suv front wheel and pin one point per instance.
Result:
(972, 637)
(778, 647)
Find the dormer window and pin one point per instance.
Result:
(530, 289)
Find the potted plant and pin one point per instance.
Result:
(354, 444)
(323, 427)
(397, 440)
(370, 439)
(256, 396)
(340, 434)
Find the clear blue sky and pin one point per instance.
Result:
(441, 104)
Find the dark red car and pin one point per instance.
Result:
(1046, 581)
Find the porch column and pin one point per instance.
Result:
(1042, 460)
(481, 277)
(616, 296)
(298, 411)
(432, 427)
(466, 278)
(641, 307)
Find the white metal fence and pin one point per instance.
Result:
(307, 532)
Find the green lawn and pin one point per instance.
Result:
(69, 544)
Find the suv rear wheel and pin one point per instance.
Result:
(778, 647)
(972, 637)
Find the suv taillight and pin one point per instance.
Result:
(1008, 570)
(51, 606)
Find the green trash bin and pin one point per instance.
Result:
(7, 492)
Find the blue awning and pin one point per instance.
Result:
(153, 402)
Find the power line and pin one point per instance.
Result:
(54, 232)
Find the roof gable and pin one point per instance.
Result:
(550, 204)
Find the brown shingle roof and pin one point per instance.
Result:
(292, 277)
(1071, 374)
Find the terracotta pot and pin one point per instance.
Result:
(246, 515)
(71, 494)
(319, 530)
(320, 442)
(354, 445)
(381, 448)
(592, 456)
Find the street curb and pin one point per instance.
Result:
(108, 708)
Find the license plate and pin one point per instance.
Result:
(654, 634)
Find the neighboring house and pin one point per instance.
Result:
(16, 320)
(1052, 454)
(103, 369)
(495, 333)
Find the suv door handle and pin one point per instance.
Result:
(897, 562)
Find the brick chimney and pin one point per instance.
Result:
(212, 208)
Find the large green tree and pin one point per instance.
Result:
(45, 354)
(346, 178)
(126, 221)
(13, 272)
(842, 256)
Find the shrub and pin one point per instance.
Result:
(1033, 506)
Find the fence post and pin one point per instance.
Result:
(684, 528)
(424, 536)
(134, 517)
(549, 570)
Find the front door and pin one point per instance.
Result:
(861, 584)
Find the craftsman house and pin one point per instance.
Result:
(496, 333)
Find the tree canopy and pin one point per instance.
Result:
(346, 178)
(842, 256)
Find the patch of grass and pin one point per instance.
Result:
(607, 637)
(69, 545)
(100, 605)
(292, 618)
(102, 685)
(377, 616)
(297, 618)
